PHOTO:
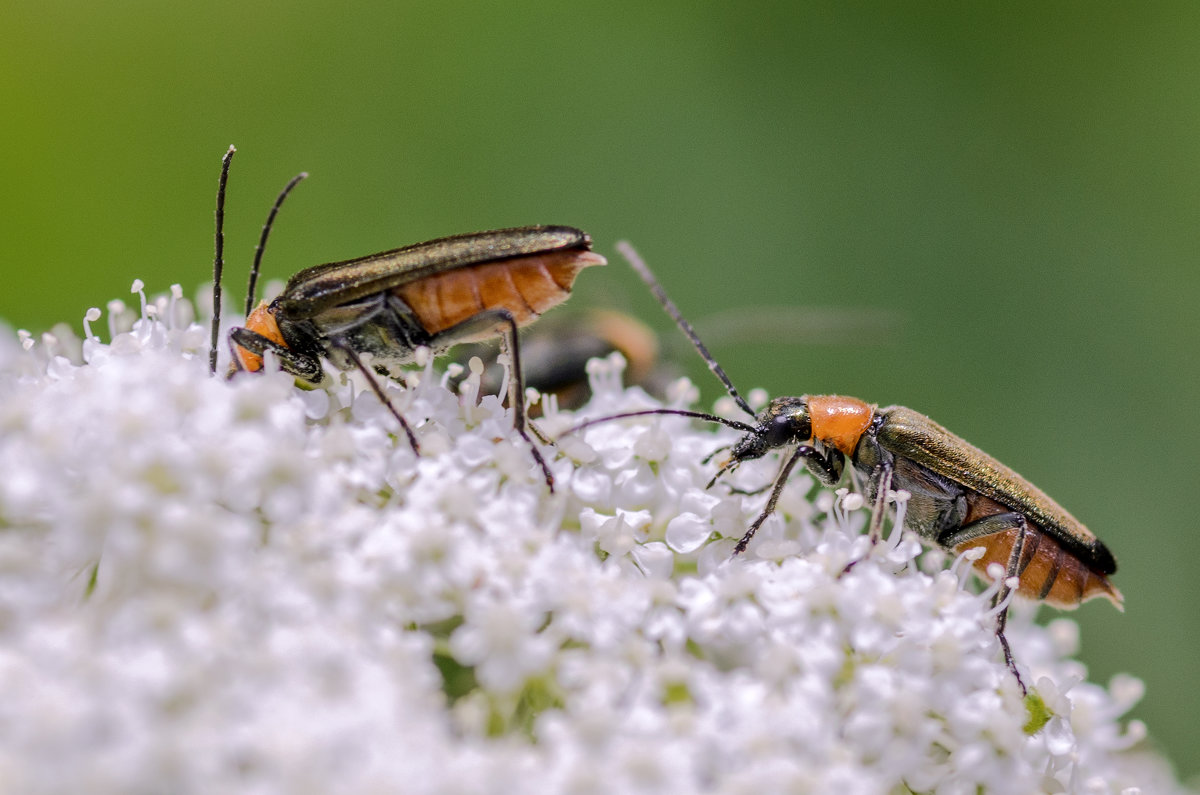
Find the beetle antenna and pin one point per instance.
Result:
(700, 415)
(627, 251)
(219, 259)
(262, 240)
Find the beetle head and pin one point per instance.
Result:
(784, 421)
(262, 322)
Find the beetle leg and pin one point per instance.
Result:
(298, 364)
(379, 393)
(516, 392)
(503, 319)
(1014, 563)
(1017, 561)
(986, 526)
(881, 482)
(826, 466)
(881, 479)
(804, 451)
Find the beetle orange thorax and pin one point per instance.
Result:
(261, 321)
(839, 421)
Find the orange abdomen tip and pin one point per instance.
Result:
(1051, 574)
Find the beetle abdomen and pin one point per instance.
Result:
(1048, 572)
(525, 286)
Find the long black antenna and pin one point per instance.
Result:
(700, 415)
(219, 259)
(262, 240)
(627, 251)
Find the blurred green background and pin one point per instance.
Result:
(1020, 184)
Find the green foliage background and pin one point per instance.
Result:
(1018, 181)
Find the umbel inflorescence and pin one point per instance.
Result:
(224, 586)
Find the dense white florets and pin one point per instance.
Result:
(242, 586)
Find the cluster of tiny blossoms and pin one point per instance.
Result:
(212, 585)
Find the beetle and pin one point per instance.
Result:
(388, 305)
(556, 352)
(961, 497)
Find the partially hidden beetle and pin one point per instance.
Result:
(433, 295)
(961, 497)
(556, 352)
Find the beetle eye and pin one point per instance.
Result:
(784, 429)
(786, 423)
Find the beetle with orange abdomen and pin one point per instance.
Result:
(388, 305)
(434, 295)
(960, 497)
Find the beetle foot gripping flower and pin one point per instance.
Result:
(241, 586)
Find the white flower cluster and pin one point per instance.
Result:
(242, 586)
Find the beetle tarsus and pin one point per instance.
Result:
(537, 456)
(1015, 565)
(383, 398)
(780, 481)
(1008, 655)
